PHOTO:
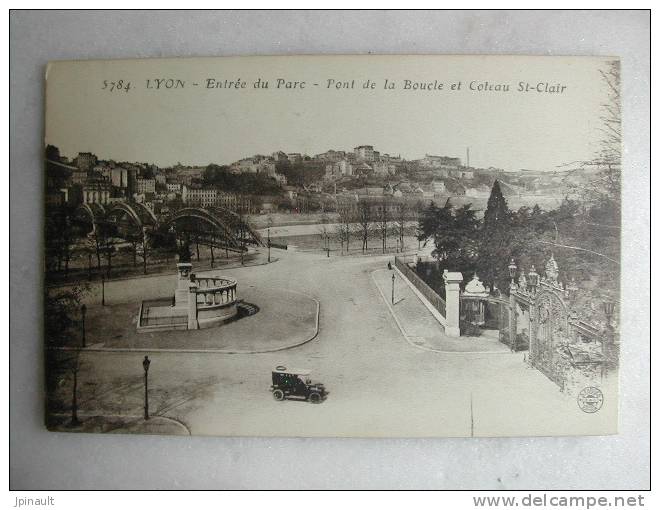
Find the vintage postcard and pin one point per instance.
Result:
(372, 246)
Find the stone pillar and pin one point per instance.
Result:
(183, 282)
(452, 302)
(513, 323)
(192, 307)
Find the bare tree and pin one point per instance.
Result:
(365, 221)
(383, 221)
(344, 228)
(401, 216)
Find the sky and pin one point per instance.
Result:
(198, 124)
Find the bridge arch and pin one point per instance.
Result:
(215, 227)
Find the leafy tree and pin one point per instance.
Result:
(496, 241)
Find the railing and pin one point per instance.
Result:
(167, 320)
(432, 296)
(214, 292)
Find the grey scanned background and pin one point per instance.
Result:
(44, 460)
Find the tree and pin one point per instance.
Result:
(402, 215)
(496, 240)
(365, 220)
(383, 221)
(589, 221)
(454, 232)
(60, 235)
(61, 325)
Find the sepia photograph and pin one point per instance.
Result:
(334, 246)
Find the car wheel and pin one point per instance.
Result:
(278, 395)
(315, 398)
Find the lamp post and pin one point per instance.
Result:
(533, 278)
(145, 364)
(269, 245)
(83, 311)
(393, 277)
(89, 266)
(512, 273)
(102, 290)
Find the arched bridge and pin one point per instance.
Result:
(217, 226)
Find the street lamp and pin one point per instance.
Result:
(533, 278)
(393, 278)
(512, 273)
(102, 290)
(83, 311)
(269, 245)
(608, 308)
(145, 364)
(512, 269)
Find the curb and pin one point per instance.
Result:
(408, 338)
(206, 351)
(154, 275)
(131, 416)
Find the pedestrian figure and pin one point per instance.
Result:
(389, 266)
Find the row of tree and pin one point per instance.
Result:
(365, 222)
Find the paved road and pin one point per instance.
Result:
(380, 385)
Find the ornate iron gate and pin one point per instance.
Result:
(549, 331)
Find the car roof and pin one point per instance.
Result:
(297, 371)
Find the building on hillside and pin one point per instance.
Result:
(331, 156)
(431, 161)
(194, 195)
(363, 169)
(173, 187)
(338, 169)
(85, 161)
(96, 191)
(188, 174)
(145, 185)
(364, 153)
(78, 177)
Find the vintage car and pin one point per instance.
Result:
(294, 383)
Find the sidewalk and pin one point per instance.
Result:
(91, 423)
(285, 319)
(418, 325)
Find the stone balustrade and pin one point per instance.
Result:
(214, 292)
(212, 301)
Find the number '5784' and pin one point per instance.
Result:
(113, 86)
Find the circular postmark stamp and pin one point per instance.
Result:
(590, 399)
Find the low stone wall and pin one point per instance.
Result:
(432, 296)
